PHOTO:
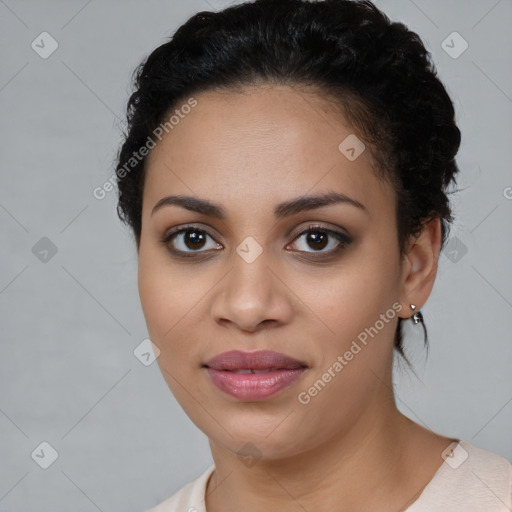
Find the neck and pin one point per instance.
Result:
(353, 470)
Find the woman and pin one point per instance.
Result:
(285, 174)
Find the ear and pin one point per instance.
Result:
(420, 266)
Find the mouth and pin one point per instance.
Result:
(253, 376)
(254, 370)
(253, 362)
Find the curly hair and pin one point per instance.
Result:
(377, 71)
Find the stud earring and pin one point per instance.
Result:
(417, 317)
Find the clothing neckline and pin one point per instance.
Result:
(435, 477)
(417, 502)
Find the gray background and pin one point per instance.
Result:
(72, 320)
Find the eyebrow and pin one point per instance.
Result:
(285, 209)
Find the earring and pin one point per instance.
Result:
(417, 317)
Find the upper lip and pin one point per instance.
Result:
(259, 360)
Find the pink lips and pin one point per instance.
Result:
(253, 375)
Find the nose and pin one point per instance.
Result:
(252, 296)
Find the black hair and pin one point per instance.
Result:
(378, 72)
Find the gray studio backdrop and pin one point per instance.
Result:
(86, 423)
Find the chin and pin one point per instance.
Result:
(268, 438)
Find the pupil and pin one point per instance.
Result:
(195, 238)
(315, 238)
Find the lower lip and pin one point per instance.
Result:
(254, 386)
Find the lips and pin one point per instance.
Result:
(253, 362)
(254, 376)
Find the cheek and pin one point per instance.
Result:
(357, 307)
(162, 298)
(153, 295)
(168, 311)
(356, 295)
(171, 301)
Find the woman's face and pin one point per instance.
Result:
(256, 280)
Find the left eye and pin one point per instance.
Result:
(318, 237)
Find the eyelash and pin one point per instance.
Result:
(344, 241)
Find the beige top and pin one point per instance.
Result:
(469, 480)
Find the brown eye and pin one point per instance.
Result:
(193, 239)
(318, 238)
(189, 239)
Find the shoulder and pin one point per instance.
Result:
(190, 498)
(470, 479)
(486, 461)
(490, 469)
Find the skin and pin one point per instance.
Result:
(349, 448)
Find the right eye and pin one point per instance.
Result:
(188, 240)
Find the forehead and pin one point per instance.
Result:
(261, 145)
